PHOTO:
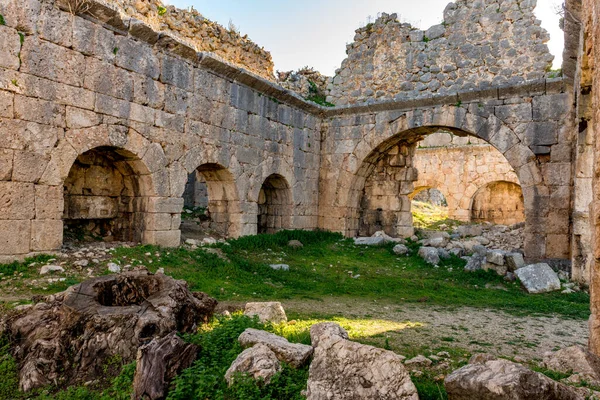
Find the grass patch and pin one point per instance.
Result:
(429, 216)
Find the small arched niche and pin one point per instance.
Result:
(103, 196)
(274, 205)
(498, 202)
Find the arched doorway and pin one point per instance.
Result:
(211, 203)
(274, 205)
(103, 196)
(498, 202)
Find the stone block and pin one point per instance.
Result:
(46, 235)
(162, 238)
(558, 246)
(171, 205)
(558, 222)
(551, 107)
(17, 200)
(557, 174)
(6, 104)
(40, 111)
(32, 86)
(107, 79)
(91, 207)
(148, 92)
(157, 221)
(49, 202)
(177, 72)
(137, 57)
(6, 164)
(56, 26)
(514, 113)
(10, 46)
(28, 166)
(77, 118)
(21, 14)
(541, 134)
(48, 60)
(16, 235)
(92, 39)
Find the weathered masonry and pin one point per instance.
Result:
(102, 120)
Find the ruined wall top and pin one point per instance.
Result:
(479, 44)
(201, 33)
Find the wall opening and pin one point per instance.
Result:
(499, 203)
(100, 195)
(211, 206)
(274, 205)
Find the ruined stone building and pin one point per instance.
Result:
(108, 107)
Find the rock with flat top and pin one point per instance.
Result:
(369, 241)
(575, 360)
(266, 311)
(295, 354)
(46, 269)
(258, 361)
(538, 278)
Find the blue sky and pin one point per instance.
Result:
(315, 33)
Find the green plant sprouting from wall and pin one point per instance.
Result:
(316, 96)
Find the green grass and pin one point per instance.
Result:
(321, 269)
(429, 216)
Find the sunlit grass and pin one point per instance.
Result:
(429, 216)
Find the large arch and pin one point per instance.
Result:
(499, 202)
(405, 129)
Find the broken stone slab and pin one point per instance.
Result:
(271, 311)
(430, 255)
(295, 354)
(504, 380)
(345, 370)
(482, 240)
(326, 330)
(46, 269)
(280, 267)
(369, 241)
(500, 269)
(514, 261)
(387, 238)
(575, 360)
(435, 242)
(258, 361)
(400, 249)
(158, 362)
(443, 253)
(538, 278)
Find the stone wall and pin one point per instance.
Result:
(480, 44)
(73, 83)
(459, 171)
(200, 33)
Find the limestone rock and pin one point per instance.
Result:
(258, 361)
(295, 244)
(500, 269)
(474, 262)
(577, 360)
(469, 230)
(514, 261)
(538, 278)
(51, 268)
(481, 358)
(387, 238)
(114, 268)
(400, 249)
(280, 267)
(326, 330)
(295, 354)
(418, 361)
(266, 312)
(345, 370)
(495, 257)
(369, 241)
(430, 255)
(504, 380)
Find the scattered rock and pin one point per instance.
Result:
(266, 311)
(418, 361)
(482, 240)
(369, 241)
(435, 242)
(295, 354)
(326, 330)
(474, 263)
(538, 278)
(504, 380)
(345, 370)
(209, 241)
(443, 254)
(387, 238)
(258, 361)
(81, 263)
(280, 267)
(577, 360)
(469, 230)
(295, 244)
(495, 257)
(500, 269)
(514, 261)
(114, 268)
(430, 255)
(51, 268)
(400, 249)
(191, 242)
(481, 358)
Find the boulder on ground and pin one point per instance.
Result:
(430, 255)
(280, 267)
(266, 311)
(514, 261)
(481, 358)
(469, 230)
(419, 361)
(369, 241)
(504, 380)
(295, 244)
(295, 354)
(538, 278)
(326, 330)
(400, 249)
(474, 262)
(345, 370)
(158, 362)
(495, 257)
(575, 360)
(435, 242)
(387, 238)
(500, 269)
(258, 361)
(51, 268)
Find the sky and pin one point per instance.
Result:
(314, 33)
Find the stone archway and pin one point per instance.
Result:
(498, 202)
(274, 205)
(211, 189)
